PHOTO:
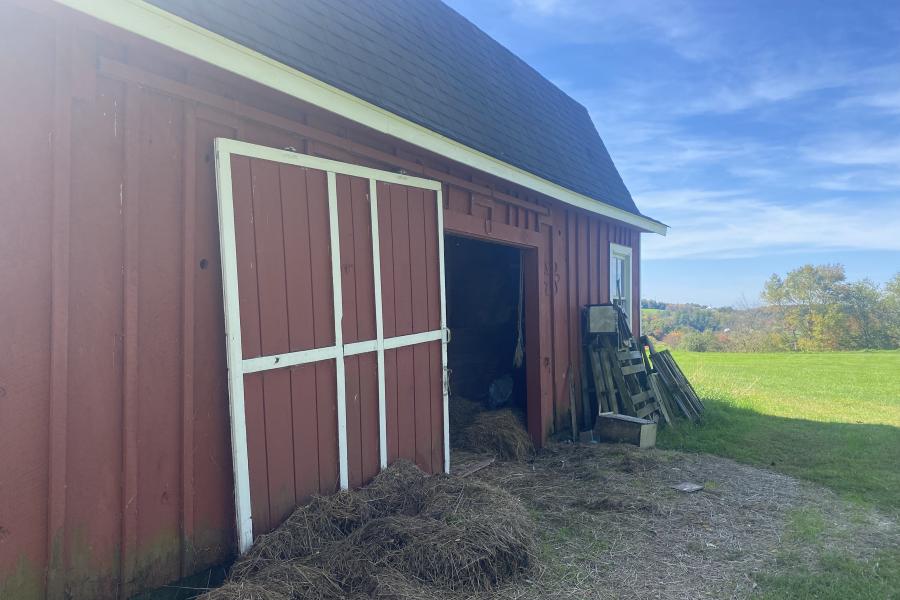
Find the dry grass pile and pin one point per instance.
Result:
(404, 536)
(463, 412)
(279, 580)
(499, 432)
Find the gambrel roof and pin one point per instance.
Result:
(423, 61)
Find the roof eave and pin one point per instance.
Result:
(158, 25)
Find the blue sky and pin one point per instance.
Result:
(765, 133)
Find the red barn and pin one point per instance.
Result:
(235, 239)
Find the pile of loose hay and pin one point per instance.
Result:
(405, 535)
(499, 432)
(463, 412)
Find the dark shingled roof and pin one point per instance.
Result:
(423, 61)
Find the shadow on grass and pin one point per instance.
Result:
(859, 461)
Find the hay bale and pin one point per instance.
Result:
(500, 432)
(281, 580)
(396, 586)
(396, 490)
(245, 590)
(404, 536)
(468, 536)
(329, 518)
(324, 520)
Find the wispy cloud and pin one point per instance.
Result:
(756, 173)
(861, 181)
(678, 24)
(768, 84)
(887, 101)
(855, 149)
(722, 224)
(674, 152)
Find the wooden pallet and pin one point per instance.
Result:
(628, 376)
(620, 374)
(672, 386)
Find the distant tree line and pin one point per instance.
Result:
(812, 308)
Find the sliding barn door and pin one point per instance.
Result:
(335, 326)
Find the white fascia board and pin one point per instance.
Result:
(155, 24)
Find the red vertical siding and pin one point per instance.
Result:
(159, 328)
(421, 368)
(410, 298)
(212, 486)
(94, 454)
(25, 258)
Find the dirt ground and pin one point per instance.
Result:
(611, 526)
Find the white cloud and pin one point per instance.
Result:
(770, 85)
(756, 173)
(855, 149)
(545, 7)
(887, 101)
(670, 154)
(861, 181)
(676, 23)
(722, 224)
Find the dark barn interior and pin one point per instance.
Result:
(485, 314)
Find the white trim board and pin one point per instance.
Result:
(155, 24)
(338, 309)
(627, 254)
(303, 357)
(239, 366)
(231, 301)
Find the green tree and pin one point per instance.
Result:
(700, 341)
(805, 299)
(866, 312)
(891, 309)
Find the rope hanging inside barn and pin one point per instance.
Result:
(519, 356)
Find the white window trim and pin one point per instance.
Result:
(626, 253)
(238, 366)
(154, 23)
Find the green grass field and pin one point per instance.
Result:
(830, 418)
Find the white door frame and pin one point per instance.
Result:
(238, 366)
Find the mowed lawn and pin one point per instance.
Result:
(830, 418)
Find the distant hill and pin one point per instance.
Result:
(811, 308)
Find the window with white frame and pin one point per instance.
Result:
(620, 278)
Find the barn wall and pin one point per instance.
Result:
(115, 465)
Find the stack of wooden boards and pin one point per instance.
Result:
(672, 389)
(622, 377)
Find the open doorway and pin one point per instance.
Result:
(486, 316)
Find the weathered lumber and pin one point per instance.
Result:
(610, 385)
(658, 390)
(662, 362)
(623, 428)
(619, 379)
(632, 369)
(474, 468)
(684, 381)
(599, 388)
